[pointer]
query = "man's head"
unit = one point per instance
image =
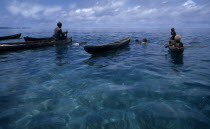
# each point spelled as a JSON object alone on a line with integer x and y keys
{"x": 172, "y": 29}
{"x": 178, "y": 38}
{"x": 144, "y": 40}
{"x": 59, "y": 24}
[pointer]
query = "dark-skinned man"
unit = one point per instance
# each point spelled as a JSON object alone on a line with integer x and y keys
{"x": 58, "y": 34}
{"x": 173, "y": 34}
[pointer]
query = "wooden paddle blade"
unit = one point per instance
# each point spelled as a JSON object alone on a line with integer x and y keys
{"x": 82, "y": 43}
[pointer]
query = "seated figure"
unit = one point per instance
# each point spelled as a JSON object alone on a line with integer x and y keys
{"x": 58, "y": 34}
{"x": 178, "y": 43}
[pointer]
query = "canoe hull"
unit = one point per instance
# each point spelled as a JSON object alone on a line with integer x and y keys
{"x": 176, "y": 51}
{"x": 16, "y": 36}
{"x": 7, "y": 47}
{"x": 98, "y": 49}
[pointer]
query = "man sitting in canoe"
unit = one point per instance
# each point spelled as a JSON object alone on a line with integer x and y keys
{"x": 58, "y": 34}
{"x": 173, "y": 34}
{"x": 177, "y": 43}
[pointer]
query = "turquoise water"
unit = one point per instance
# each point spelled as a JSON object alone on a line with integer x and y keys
{"x": 138, "y": 87}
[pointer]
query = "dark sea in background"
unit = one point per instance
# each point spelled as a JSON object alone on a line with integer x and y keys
{"x": 138, "y": 87}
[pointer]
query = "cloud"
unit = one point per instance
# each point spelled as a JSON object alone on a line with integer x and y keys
{"x": 95, "y": 13}
{"x": 165, "y": 2}
{"x": 115, "y": 13}
{"x": 189, "y": 4}
{"x": 51, "y": 10}
{"x": 100, "y": 10}
{"x": 31, "y": 10}
{"x": 72, "y": 5}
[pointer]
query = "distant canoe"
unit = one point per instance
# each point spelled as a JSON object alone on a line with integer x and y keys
{"x": 36, "y": 39}
{"x": 6, "y": 47}
{"x": 16, "y": 36}
{"x": 97, "y": 49}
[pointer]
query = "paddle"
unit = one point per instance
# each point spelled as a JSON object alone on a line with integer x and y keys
{"x": 166, "y": 46}
{"x": 80, "y": 43}
{"x": 194, "y": 46}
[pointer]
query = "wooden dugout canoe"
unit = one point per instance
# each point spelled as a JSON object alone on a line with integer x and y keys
{"x": 174, "y": 50}
{"x": 16, "y": 36}
{"x": 97, "y": 49}
{"x": 6, "y": 47}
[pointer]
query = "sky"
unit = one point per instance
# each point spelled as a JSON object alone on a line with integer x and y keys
{"x": 105, "y": 13}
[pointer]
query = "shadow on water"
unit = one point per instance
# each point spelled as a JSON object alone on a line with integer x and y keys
{"x": 175, "y": 59}
{"x": 61, "y": 51}
{"x": 101, "y": 60}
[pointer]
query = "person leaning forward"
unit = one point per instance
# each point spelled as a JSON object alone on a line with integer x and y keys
{"x": 178, "y": 43}
{"x": 58, "y": 34}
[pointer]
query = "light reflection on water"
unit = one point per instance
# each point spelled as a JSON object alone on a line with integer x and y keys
{"x": 138, "y": 87}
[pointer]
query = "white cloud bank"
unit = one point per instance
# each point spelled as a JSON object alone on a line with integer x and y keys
{"x": 114, "y": 13}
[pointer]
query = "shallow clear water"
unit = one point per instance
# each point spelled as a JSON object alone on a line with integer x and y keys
{"x": 138, "y": 87}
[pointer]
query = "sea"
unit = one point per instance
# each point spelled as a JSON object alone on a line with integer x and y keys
{"x": 141, "y": 86}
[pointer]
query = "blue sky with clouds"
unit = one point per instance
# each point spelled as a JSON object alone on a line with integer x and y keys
{"x": 105, "y": 13}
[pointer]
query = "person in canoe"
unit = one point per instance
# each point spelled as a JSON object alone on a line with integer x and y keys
{"x": 173, "y": 34}
{"x": 58, "y": 34}
{"x": 177, "y": 43}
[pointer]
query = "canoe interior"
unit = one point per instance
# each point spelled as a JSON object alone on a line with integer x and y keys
{"x": 16, "y": 36}
{"x": 176, "y": 51}
{"x": 37, "y": 39}
{"x": 98, "y": 49}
